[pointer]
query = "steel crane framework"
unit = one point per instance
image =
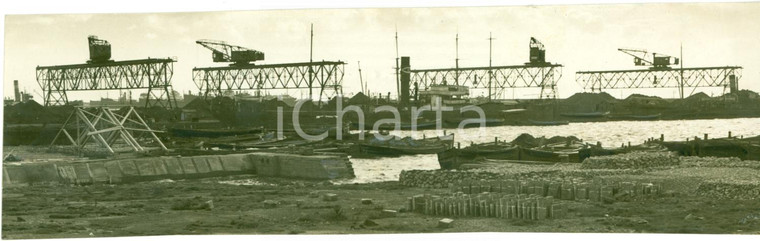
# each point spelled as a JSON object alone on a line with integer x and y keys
{"x": 659, "y": 78}
{"x": 659, "y": 75}
{"x": 152, "y": 74}
{"x": 497, "y": 78}
{"x": 326, "y": 77}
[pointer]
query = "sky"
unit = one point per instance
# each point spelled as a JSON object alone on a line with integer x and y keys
{"x": 580, "y": 37}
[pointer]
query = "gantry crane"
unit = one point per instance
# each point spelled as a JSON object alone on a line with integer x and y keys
{"x": 227, "y": 53}
{"x": 660, "y": 75}
{"x": 536, "y": 73}
{"x": 643, "y": 58}
{"x": 326, "y": 77}
{"x": 100, "y": 73}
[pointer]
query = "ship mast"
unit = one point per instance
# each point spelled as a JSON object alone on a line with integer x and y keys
{"x": 398, "y": 85}
{"x": 490, "y": 55}
{"x": 456, "y": 72}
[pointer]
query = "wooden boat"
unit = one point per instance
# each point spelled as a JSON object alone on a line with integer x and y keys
{"x": 600, "y": 151}
{"x": 211, "y": 133}
{"x": 402, "y": 126}
{"x": 547, "y": 123}
{"x": 636, "y": 117}
{"x": 454, "y": 158}
{"x": 406, "y": 146}
{"x": 554, "y": 152}
{"x": 395, "y": 150}
{"x": 586, "y": 115}
{"x": 539, "y": 154}
{"x": 645, "y": 117}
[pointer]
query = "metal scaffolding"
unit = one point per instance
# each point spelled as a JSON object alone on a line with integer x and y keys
{"x": 679, "y": 78}
{"x": 106, "y": 128}
{"x": 152, "y": 74}
{"x": 496, "y": 78}
{"x": 325, "y": 77}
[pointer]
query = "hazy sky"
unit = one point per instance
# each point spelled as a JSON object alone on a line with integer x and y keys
{"x": 581, "y": 37}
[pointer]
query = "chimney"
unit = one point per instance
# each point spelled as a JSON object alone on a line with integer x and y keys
{"x": 15, "y": 88}
{"x": 405, "y": 79}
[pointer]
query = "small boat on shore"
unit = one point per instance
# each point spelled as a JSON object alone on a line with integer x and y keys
{"x": 453, "y": 158}
{"x": 645, "y": 117}
{"x": 547, "y": 123}
{"x": 406, "y": 146}
{"x": 597, "y": 114}
{"x": 211, "y": 133}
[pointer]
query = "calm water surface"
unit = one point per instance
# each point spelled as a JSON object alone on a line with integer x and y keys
{"x": 610, "y": 134}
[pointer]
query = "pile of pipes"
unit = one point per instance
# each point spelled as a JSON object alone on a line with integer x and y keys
{"x": 632, "y": 160}
{"x": 741, "y": 190}
{"x": 507, "y": 206}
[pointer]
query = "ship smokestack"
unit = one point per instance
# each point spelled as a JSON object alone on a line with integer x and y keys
{"x": 405, "y": 78}
{"x": 15, "y": 89}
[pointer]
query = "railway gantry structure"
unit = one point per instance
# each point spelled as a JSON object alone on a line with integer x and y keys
{"x": 102, "y": 73}
{"x": 660, "y": 75}
{"x": 537, "y": 73}
{"x": 326, "y": 77}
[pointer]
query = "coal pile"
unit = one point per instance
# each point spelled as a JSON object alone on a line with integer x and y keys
{"x": 725, "y": 189}
{"x": 528, "y": 141}
{"x": 732, "y": 162}
{"x": 450, "y": 178}
{"x": 632, "y": 160}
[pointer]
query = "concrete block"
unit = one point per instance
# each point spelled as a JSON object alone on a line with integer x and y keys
{"x": 542, "y": 213}
{"x": 201, "y": 165}
{"x": 557, "y": 211}
{"x": 265, "y": 165}
{"x": 234, "y": 163}
{"x": 6, "y": 177}
{"x": 41, "y": 173}
{"x": 215, "y": 164}
{"x": 67, "y": 173}
{"x": 581, "y": 193}
{"x": 188, "y": 166}
{"x": 98, "y": 171}
{"x": 128, "y": 168}
{"x": 145, "y": 167}
{"x": 554, "y": 190}
{"x": 159, "y": 167}
{"x": 606, "y": 192}
{"x": 114, "y": 171}
{"x": 445, "y": 223}
{"x": 594, "y": 195}
{"x": 16, "y": 174}
{"x": 567, "y": 194}
{"x": 173, "y": 166}
{"x": 83, "y": 173}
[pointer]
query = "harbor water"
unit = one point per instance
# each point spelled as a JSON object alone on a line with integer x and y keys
{"x": 610, "y": 134}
